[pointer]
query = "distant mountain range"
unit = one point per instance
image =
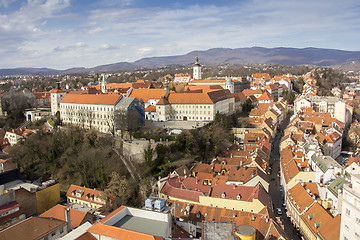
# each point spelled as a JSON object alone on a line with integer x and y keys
{"x": 254, "y": 55}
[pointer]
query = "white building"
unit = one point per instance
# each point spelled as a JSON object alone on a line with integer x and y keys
{"x": 350, "y": 217}
{"x": 325, "y": 167}
{"x": 90, "y": 110}
{"x": 16, "y": 135}
{"x": 323, "y": 104}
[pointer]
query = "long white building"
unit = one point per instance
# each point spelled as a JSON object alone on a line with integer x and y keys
{"x": 90, "y": 110}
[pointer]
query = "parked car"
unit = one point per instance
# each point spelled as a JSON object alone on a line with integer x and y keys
{"x": 278, "y": 211}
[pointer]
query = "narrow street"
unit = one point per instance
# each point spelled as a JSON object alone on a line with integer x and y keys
{"x": 275, "y": 191}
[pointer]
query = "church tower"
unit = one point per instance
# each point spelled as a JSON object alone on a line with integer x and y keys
{"x": 229, "y": 84}
{"x": 197, "y": 70}
{"x": 103, "y": 85}
{"x": 56, "y": 96}
{"x": 166, "y": 85}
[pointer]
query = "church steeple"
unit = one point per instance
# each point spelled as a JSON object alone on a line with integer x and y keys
{"x": 197, "y": 69}
{"x": 103, "y": 85}
{"x": 166, "y": 85}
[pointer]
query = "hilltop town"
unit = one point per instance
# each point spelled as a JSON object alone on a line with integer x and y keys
{"x": 183, "y": 156}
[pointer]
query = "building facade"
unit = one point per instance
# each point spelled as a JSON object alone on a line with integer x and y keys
{"x": 350, "y": 218}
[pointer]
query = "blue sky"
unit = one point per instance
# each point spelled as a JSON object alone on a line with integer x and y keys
{"x": 85, "y": 33}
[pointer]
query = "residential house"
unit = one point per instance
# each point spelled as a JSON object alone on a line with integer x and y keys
{"x": 36, "y": 228}
{"x": 196, "y": 217}
{"x": 313, "y": 221}
{"x": 265, "y": 98}
{"x": 87, "y": 198}
{"x": 11, "y": 212}
{"x": 292, "y": 172}
{"x": 326, "y": 167}
{"x": 59, "y": 212}
{"x": 16, "y": 135}
{"x": 298, "y": 201}
{"x": 197, "y": 191}
{"x": 353, "y": 165}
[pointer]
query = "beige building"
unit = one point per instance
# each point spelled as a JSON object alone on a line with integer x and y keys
{"x": 194, "y": 106}
{"x": 85, "y": 197}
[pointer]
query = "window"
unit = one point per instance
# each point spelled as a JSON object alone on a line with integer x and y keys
{"x": 347, "y": 212}
{"x": 358, "y": 220}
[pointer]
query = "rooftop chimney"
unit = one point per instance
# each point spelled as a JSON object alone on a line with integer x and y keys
{"x": 68, "y": 219}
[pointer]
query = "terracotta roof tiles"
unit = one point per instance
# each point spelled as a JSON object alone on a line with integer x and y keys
{"x": 106, "y": 99}
{"x": 58, "y": 212}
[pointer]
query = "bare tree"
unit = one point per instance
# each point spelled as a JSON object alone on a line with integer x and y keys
{"x": 82, "y": 117}
{"x": 110, "y": 122}
{"x": 89, "y": 117}
{"x": 170, "y": 111}
{"x": 69, "y": 113}
{"x": 127, "y": 120}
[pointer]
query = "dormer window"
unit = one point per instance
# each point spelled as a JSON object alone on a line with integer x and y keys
{"x": 223, "y": 195}
{"x": 238, "y": 197}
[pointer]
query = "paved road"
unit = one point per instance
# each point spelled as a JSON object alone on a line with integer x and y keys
{"x": 275, "y": 193}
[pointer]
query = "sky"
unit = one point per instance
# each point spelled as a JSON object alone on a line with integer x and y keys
{"x": 63, "y": 34}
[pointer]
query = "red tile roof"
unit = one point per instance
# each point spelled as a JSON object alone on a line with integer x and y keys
{"x": 58, "y": 212}
{"x": 106, "y": 99}
{"x": 331, "y": 230}
{"x": 31, "y": 228}
{"x": 87, "y": 194}
{"x": 300, "y": 198}
{"x": 147, "y": 94}
{"x": 260, "y": 75}
{"x": 316, "y": 215}
{"x": 150, "y": 108}
{"x": 9, "y": 206}
{"x": 266, "y": 97}
{"x": 57, "y": 91}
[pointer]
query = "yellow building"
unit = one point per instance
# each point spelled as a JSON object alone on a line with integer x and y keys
{"x": 47, "y": 197}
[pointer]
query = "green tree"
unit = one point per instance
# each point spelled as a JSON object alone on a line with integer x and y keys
{"x": 247, "y": 106}
{"x": 148, "y": 155}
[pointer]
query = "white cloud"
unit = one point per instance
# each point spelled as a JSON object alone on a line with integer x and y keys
{"x": 6, "y": 3}
{"x": 94, "y": 31}
{"x": 145, "y": 51}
